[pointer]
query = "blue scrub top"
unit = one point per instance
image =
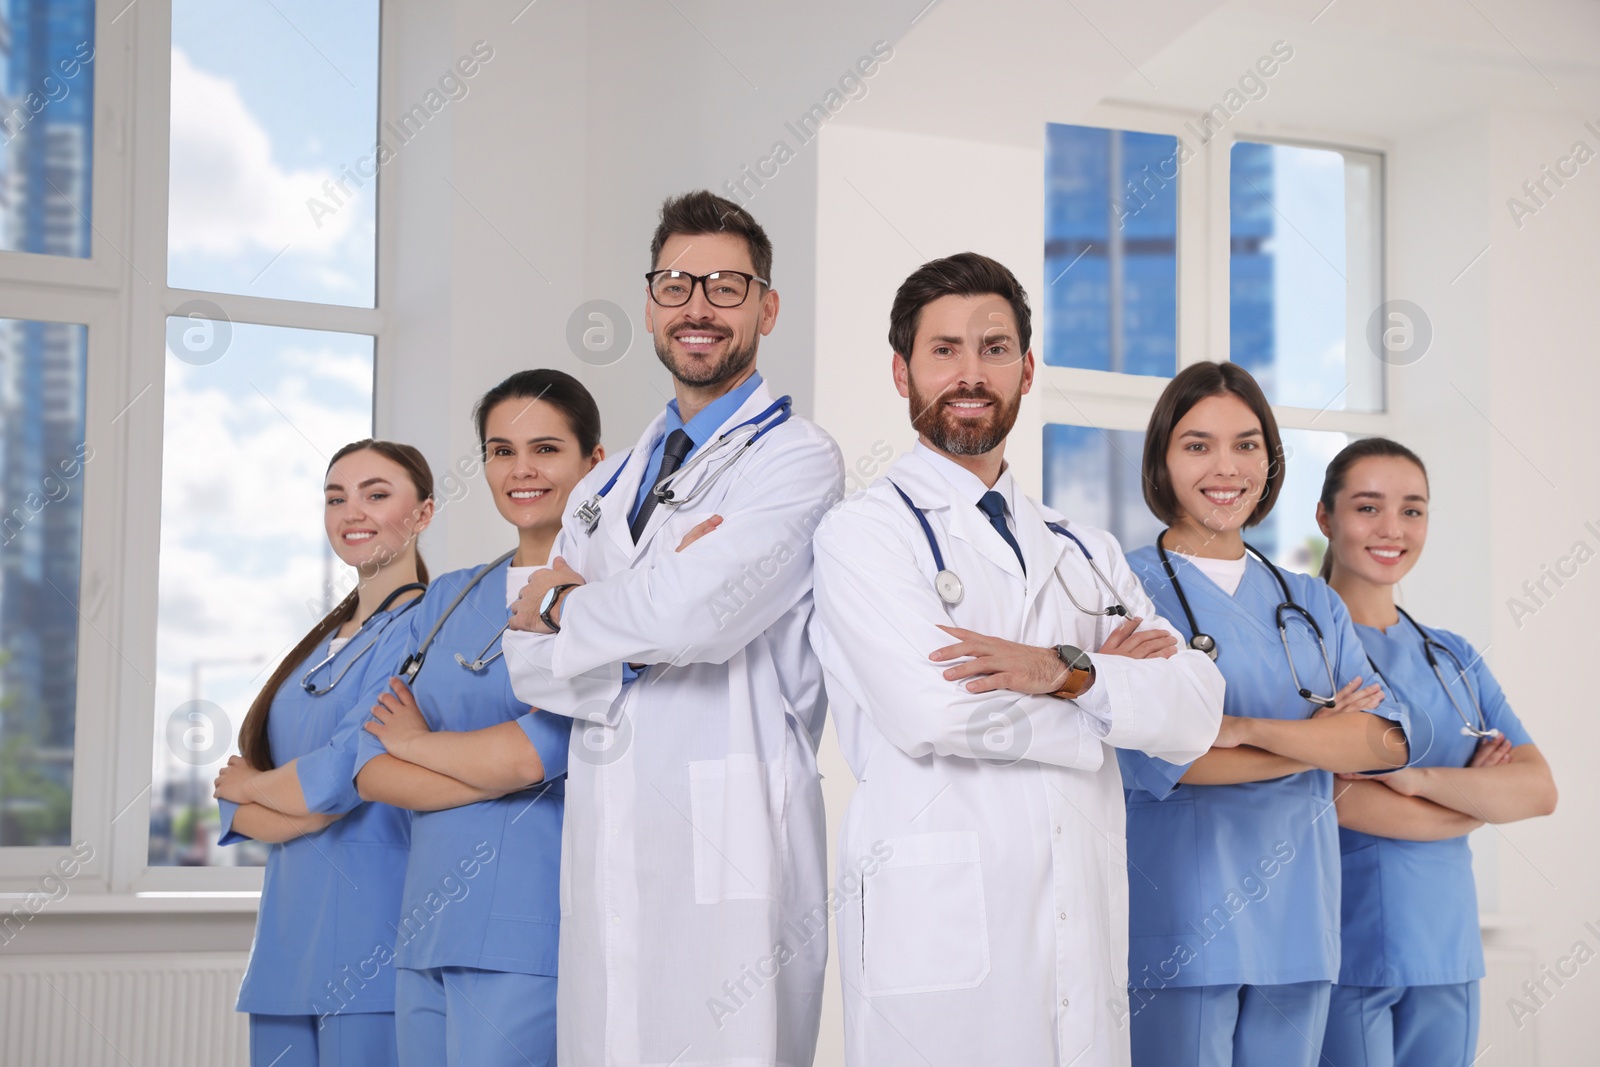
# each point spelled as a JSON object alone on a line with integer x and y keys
{"x": 1411, "y": 907}
{"x": 1239, "y": 884}
{"x": 482, "y": 882}
{"x": 327, "y": 899}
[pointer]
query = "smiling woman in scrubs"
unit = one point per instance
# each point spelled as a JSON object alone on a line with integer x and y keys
{"x": 332, "y": 882}
{"x": 1233, "y": 860}
{"x": 476, "y": 982}
{"x": 1408, "y": 984}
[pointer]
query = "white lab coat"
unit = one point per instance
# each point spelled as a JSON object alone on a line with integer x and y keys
{"x": 989, "y": 921}
{"x": 694, "y": 826}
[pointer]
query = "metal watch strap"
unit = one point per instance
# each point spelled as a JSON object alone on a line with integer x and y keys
{"x": 555, "y": 598}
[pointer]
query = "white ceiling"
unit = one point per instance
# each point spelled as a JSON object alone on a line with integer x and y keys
{"x": 1382, "y": 67}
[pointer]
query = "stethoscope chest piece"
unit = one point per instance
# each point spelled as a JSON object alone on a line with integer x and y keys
{"x": 949, "y": 587}
{"x": 588, "y": 512}
{"x": 1204, "y": 643}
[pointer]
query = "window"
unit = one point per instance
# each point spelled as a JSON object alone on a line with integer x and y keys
{"x": 1111, "y": 268}
{"x": 274, "y": 124}
{"x": 47, "y": 52}
{"x": 42, "y": 456}
{"x": 271, "y": 199}
{"x": 1304, "y": 273}
{"x": 1287, "y": 289}
{"x": 47, "y": 55}
{"x": 245, "y": 568}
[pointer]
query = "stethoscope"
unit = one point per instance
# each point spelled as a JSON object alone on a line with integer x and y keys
{"x": 948, "y": 585}
{"x": 311, "y": 687}
{"x": 1206, "y": 643}
{"x": 1429, "y": 644}
{"x": 413, "y": 663}
{"x": 727, "y": 448}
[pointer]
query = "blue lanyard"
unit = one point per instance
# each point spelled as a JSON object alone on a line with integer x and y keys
{"x": 588, "y": 512}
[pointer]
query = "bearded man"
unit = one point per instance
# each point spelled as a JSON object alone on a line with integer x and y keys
{"x": 955, "y": 622}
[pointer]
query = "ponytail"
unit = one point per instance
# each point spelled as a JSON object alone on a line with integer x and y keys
{"x": 254, "y": 744}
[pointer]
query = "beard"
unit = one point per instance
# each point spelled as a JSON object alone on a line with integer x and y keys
{"x": 958, "y": 436}
{"x": 734, "y": 362}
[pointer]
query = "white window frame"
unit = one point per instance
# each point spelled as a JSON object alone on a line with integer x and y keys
{"x": 1119, "y": 401}
{"x": 120, "y": 294}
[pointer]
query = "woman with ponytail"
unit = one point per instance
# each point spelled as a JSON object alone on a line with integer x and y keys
{"x": 332, "y": 884}
{"x": 1407, "y": 993}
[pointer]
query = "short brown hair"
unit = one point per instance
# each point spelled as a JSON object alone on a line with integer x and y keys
{"x": 963, "y": 274}
{"x": 703, "y": 211}
{"x": 1192, "y": 385}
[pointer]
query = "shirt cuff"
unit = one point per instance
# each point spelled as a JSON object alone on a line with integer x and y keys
{"x": 230, "y": 836}
{"x": 327, "y": 781}
{"x": 550, "y": 736}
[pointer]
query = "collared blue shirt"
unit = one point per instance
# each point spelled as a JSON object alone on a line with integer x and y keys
{"x": 1240, "y": 884}
{"x": 1410, "y": 913}
{"x": 700, "y": 430}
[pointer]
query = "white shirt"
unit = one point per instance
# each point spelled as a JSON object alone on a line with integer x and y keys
{"x": 693, "y": 873}
{"x": 983, "y": 854}
{"x": 1226, "y": 573}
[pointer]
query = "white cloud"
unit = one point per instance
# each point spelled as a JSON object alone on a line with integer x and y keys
{"x": 228, "y": 193}
{"x": 242, "y": 543}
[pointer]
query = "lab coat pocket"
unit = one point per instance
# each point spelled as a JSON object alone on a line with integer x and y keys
{"x": 924, "y": 928}
{"x": 734, "y": 857}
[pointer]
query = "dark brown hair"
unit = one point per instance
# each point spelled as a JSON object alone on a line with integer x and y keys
{"x": 1193, "y": 384}
{"x": 963, "y": 274}
{"x": 555, "y": 387}
{"x": 705, "y": 212}
{"x": 254, "y": 743}
{"x": 1338, "y": 471}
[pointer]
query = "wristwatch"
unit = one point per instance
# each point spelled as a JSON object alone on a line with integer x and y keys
{"x": 548, "y": 604}
{"x": 1080, "y": 672}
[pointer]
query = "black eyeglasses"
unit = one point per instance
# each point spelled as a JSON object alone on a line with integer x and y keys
{"x": 723, "y": 288}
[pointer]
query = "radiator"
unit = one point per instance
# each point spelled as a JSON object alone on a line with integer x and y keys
{"x": 1500, "y": 1042}
{"x": 134, "y": 1010}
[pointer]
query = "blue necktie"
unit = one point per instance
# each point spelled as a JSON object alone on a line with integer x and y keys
{"x": 994, "y": 506}
{"x": 678, "y": 445}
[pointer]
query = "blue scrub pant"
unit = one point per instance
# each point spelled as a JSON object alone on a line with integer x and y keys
{"x": 356, "y": 1040}
{"x": 1230, "y": 1025}
{"x": 466, "y": 1017}
{"x": 1402, "y": 1026}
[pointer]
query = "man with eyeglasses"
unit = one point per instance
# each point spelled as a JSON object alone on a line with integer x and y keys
{"x": 694, "y": 897}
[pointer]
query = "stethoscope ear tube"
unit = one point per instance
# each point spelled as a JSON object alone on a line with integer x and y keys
{"x": 413, "y": 663}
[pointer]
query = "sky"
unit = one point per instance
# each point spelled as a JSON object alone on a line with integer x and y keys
{"x": 253, "y": 412}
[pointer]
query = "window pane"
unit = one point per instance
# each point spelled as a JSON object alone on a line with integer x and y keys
{"x": 42, "y": 455}
{"x": 1111, "y": 266}
{"x": 1093, "y": 476}
{"x": 47, "y": 52}
{"x": 253, "y": 414}
{"x": 274, "y": 120}
{"x": 1305, "y": 274}
{"x": 1290, "y": 537}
